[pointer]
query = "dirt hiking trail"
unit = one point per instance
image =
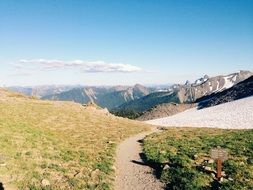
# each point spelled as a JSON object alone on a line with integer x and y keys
{"x": 131, "y": 171}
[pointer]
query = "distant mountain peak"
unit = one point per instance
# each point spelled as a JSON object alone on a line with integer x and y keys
{"x": 138, "y": 86}
{"x": 187, "y": 83}
{"x": 201, "y": 80}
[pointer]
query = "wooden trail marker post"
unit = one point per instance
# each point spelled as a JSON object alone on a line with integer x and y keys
{"x": 219, "y": 155}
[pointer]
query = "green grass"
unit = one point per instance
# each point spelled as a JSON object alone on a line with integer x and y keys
{"x": 184, "y": 150}
{"x": 70, "y": 146}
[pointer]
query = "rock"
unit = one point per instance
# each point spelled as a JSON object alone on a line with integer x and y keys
{"x": 230, "y": 179}
{"x": 187, "y": 83}
{"x": 206, "y": 77}
{"x": 2, "y": 165}
{"x": 162, "y": 128}
{"x": 205, "y": 160}
{"x": 207, "y": 168}
{"x": 195, "y": 157}
{"x": 95, "y": 173}
{"x": 166, "y": 167}
{"x": 114, "y": 168}
{"x": 45, "y": 183}
{"x": 213, "y": 175}
{"x": 210, "y": 161}
{"x": 78, "y": 173}
{"x": 223, "y": 174}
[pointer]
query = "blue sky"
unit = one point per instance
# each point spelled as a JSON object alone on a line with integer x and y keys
{"x": 113, "y": 42}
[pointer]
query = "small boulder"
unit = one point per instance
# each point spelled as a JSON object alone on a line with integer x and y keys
{"x": 3, "y": 165}
{"x": 208, "y": 169}
{"x": 114, "y": 168}
{"x": 210, "y": 161}
{"x": 110, "y": 142}
{"x": 166, "y": 167}
{"x": 45, "y": 183}
{"x": 95, "y": 173}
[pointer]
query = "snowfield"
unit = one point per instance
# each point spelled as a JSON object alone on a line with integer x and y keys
{"x": 232, "y": 115}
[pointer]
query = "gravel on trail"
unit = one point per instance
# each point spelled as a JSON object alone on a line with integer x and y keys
{"x": 131, "y": 172}
{"x": 237, "y": 114}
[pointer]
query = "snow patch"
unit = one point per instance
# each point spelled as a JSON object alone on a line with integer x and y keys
{"x": 228, "y": 82}
{"x": 200, "y": 81}
{"x": 232, "y": 115}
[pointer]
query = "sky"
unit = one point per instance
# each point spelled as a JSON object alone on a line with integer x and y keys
{"x": 112, "y": 42}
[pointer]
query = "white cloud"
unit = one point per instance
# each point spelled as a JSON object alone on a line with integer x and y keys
{"x": 21, "y": 74}
{"x": 85, "y": 66}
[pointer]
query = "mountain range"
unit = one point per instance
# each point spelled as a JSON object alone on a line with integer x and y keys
{"x": 42, "y": 90}
{"x": 241, "y": 90}
{"x": 133, "y": 101}
{"x": 186, "y": 93}
{"x": 106, "y": 97}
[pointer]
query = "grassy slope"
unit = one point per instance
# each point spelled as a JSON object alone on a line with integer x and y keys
{"x": 184, "y": 149}
{"x": 62, "y": 142}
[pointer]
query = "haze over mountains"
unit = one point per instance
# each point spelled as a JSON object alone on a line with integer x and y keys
{"x": 42, "y": 90}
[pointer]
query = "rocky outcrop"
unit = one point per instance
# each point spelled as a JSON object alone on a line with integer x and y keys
{"x": 238, "y": 91}
{"x": 205, "y": 85}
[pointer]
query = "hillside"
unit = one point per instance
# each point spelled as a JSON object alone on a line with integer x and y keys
{"x": 232, "y": 115}
{"x": 164, "y": 110}
{"x": 149, "y": 101}
{"x": 184, "y": 158}
{"x": 187, "y": 93}
{"x": 58, "y": 145}
{"x": 109, "y": 97}
{"x": 238, "y": 91}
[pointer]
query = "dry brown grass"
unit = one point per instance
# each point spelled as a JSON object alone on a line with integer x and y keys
{"x": 71, "y": 147}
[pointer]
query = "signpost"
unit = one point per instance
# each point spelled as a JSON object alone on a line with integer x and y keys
{"x": 219, "y": 155}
